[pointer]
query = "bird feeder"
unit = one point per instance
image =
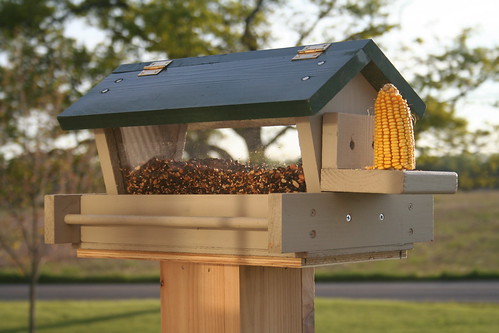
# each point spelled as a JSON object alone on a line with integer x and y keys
{"x": 238, "y": 241}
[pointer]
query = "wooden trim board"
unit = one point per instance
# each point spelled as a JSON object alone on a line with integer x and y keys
{"x": 310, "y": 138}
{"x": 325, "y": 221}
{"x": 309, "y": 260}
{"x": 389, "y": 181}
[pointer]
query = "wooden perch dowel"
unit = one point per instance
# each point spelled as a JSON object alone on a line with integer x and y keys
{"x": 183, "y": 222}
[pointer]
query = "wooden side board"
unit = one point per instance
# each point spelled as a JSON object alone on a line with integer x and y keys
{"x": 388, "y": 181}
{"x": 347, "y": 141}
{"x": 328, "y": 221}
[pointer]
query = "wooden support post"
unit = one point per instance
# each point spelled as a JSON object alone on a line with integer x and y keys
{"x": 310, "y": 137}
{"x": 205, "y": 298}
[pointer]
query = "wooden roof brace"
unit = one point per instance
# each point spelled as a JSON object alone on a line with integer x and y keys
{"x": 155, "y": 68}
{"x": 311, "y": 51}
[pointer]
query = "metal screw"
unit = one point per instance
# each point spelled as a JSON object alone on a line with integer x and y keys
{"x": 313, "y": 212}
{"x": 305, "y": 78}
{"x": 103, "y": 91}
{"x": 312, "y": 234}
{"x": 118, "y": 80}
{"x": 348, "y": 218}
{"x": 411, "y": 206}
{"x": 411, "y": 231}
{"x": 381, "y": 217}
{"x": 320, "y": 63}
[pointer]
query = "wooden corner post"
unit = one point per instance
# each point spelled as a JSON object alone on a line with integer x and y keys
{"x": 207, "y": 298}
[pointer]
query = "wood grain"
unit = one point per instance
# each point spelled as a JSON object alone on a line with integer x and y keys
{"x": 310, "y": 138}
{"x": 199, "y": 258}
{"x": 347, "y": 141}
{"x": 271, "y": 300}
{"x": 107, "y": 149}
{"x": 199, "y": 298}
{"x": 356, "y": 97}
{"x": 306, "y": 260}
{"x": 56, "y": 208}
{"x": 328, "y": 221}
{"x": 253, "y": 205}
{"x": 389, "y": 181}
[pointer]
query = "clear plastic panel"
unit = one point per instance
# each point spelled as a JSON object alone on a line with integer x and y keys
{"x": 169, "y": 159}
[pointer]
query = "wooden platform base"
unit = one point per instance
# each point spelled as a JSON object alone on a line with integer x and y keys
{"x": 212, "y": 259}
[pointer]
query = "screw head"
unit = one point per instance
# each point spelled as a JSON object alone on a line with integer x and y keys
{"x": 313, "y": 212}
{"x": 312, "y": 234}
{"x": 381, "y": 217}
{"x": 411, "y": 231}
{"x": 411, "y": 206}
{"x": 320, "y": 63}
{"x": 118, "y": 80}
{"x": 305, "y": 78}
{"x": 103, "y": 91}
{"x": 348, "y": 218}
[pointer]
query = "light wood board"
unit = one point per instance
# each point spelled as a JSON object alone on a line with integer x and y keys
{"x": 310, "y": 138}
{"x": 56, "y": 208}
{"x": 307, "y": 260}
{"x": 389, "y": 181}
{"x": 199, "y": 298}
{"x": 276, "y": 300}
{"x": 322, "y": 221}
{"x": 347, "y": 141}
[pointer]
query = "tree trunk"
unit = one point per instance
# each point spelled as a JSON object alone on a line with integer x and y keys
{"x": 32, "y": 302}
{"x": 253, "y": 139}
{"x": 35, "y": 264}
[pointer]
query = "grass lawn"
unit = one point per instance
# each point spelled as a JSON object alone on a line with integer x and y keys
{"x": 332, "y": 315}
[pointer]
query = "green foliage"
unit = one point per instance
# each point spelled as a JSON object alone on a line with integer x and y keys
{"x": 447, "y": 78}
{"x": 178, "y": 28}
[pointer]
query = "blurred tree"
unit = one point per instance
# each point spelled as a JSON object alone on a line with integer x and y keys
{"x": 446, "y": 79}
{"x": 41, "y": 73}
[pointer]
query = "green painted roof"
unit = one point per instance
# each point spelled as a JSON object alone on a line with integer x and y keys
{"x": 237, "y": 86}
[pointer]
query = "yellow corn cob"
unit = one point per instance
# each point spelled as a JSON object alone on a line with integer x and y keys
{"x": 393, "y": 131}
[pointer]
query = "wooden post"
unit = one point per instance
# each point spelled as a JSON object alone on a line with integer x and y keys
{"x": 206, "y": 298}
